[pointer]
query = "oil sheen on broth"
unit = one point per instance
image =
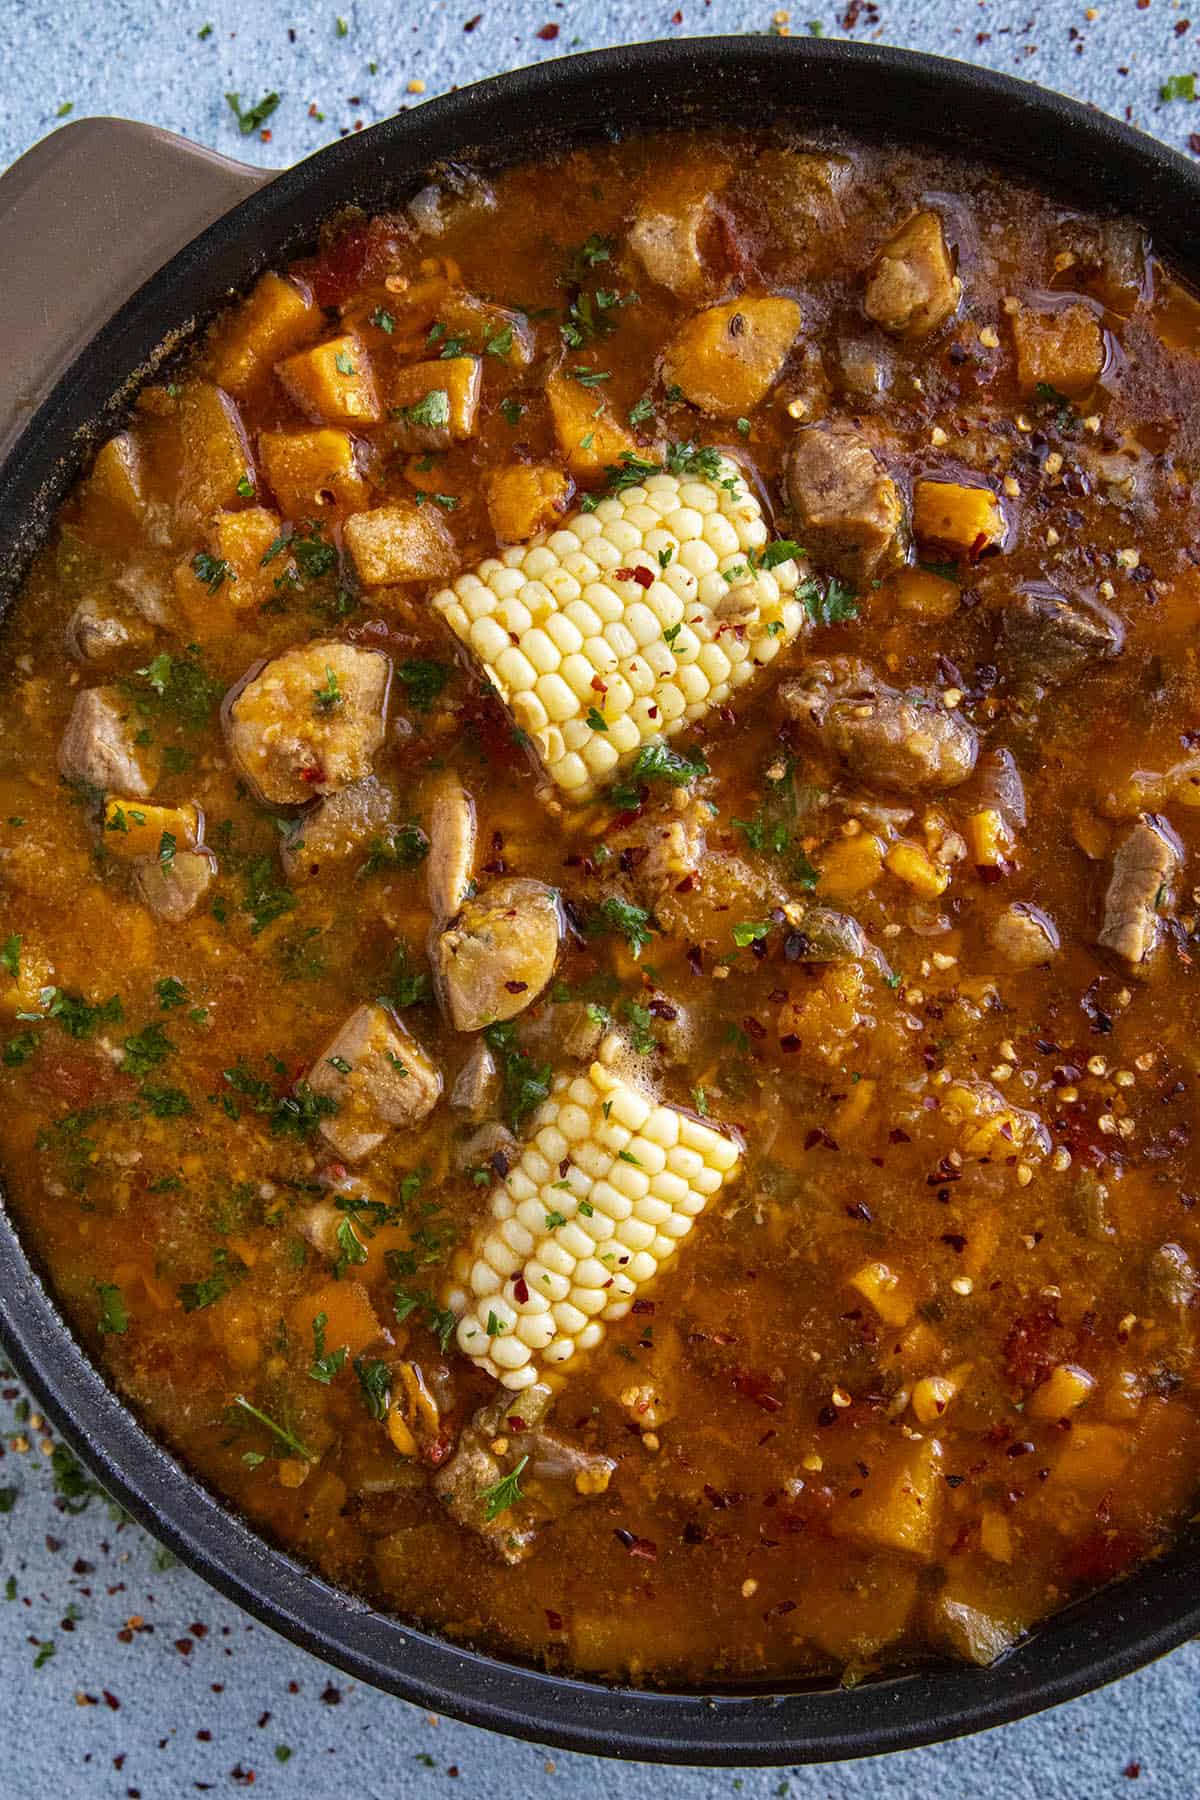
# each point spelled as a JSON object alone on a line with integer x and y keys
{"x": 596, "y": 809}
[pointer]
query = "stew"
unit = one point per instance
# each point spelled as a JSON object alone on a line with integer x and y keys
{"x": 596, "y": 909}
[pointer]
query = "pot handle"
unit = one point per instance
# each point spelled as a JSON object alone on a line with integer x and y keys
{"x": 86, "y": 216}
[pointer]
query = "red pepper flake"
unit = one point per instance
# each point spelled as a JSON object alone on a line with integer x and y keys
{"x": 643, "y": 1308}
{"x": 548, "y": 33}
{"x": 472, "y": 23}
{"x": 1131, "y": 1771}
{"x": 332, "y": 1696}
{"x": 520, "y": 1290}
{"x": 1194, "y": 142}
{"x": 789, "y": 1043}
{"x": 314, "y": 774}
{"x": 554, "y": 1620}
{"x": 515, "y": 1422}
{"x": 184, "y": 1646}
{"x": 516, "y": 987}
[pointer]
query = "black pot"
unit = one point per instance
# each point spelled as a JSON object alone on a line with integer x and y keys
{"x": 100, "y": 169}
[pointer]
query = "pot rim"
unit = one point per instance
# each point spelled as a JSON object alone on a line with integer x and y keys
{"x": 1100, "y": 1638}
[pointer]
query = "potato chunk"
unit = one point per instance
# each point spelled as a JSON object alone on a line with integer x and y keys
{"x": 911, "y": 286}
{"x": 727, "y": 357}
{"x": 523, "y": 498}
{"x": 133, "y": 831}
{"x": 899, "y": 1505}
{"x": 278, "y": 317}
{"x": 495, "y": 958}
{"x": 588, "y": 441}
{"x": 378, "y": 1076}
{"x": 310, "y": 721}
{"x": 311, "y": 472}
{"x": 433, "y": 404}
{"x": 1063, "y": 350}
{"x": 333, "y": 382}
{"x": 967, "y": 520}
{"x": 98, "y": 745}
{"x": 212, "y": 590}
{"x": 398, "y": 543}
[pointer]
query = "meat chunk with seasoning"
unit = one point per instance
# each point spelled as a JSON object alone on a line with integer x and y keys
{"x": 1048, "y": 638}
{"x": 845, "y": 502}
{"x": 472, "y": 1484}
{"x": 309, "y": 721}
{"x": 1025, "y": 936}
{"x": 338, "y": 827}
{"x": 911, "y": 286}
{"x": 99, "y": 745}
{"x": 172, "y": 890}
{"x": 378, "y": 1076}
{"x": 496, "y": 956}
{"x": 905, "y": 740}
{"x": 1144, "y": 866}
{"x": 92, "y": 635}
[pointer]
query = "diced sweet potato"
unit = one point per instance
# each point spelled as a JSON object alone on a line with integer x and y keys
{"x": 913, "y": 865}
{"x": 311, "y": 472}
{"x": 233, "y": 579}
{"x": 826, "y": 1011}
{"x": 398, "y": 543}
{"x": 522, "y": 498}
{"x": 911, "y": 285}
{"x": 214, "y": 452}
{"x": 966, "y": 520}
{"x": 885, "y": 1291}
{"x": 900, "y": 1502}
{"x": 1063, "y": 350}
{"x": 849, "y": 867}
{"x": 852, "y": 1616}
{"x": 132, "y": 830}
{"x": 589, "y": 440}
{"x": 433, "y": 404}
{"x": 350, "y": 1319}
{"x": 333, "y": 382}
{"x": 116, "y": 483}
{"x": 1065, "y": 1390}
{"x": 278, "y": 317}
{"x": 727, "y": 357}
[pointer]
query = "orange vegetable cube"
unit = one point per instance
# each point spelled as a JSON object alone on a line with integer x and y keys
{"x": 349, "y": 1316}
{"x": 589, "y": 440}
{"x": 850, "y": 866}
{"x": 966, "y": 520}
{"x": 1063, "y": 350}
{"x": 917, "y": 869}
{"x": 400, "y": 543}
{"x": 928, "y": 595}
{"x": 238, "y": 543}
{"x": 727, "y": 357}
{"x": 333, "y": 382}
{"x": 214, "y": 452}
{"x": 433, "y": 404}
{"x": 116, "y": 483}
{"x": 523, "y": 498}
{"x": 279, "y": 316}
{"x": 311, "y": 472}
{"x": 900, "y": 1502}
{"x": 885, "y": 1291}
{"x": 135, "y": 828}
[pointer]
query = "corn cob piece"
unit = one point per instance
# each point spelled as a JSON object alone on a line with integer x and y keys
{"x": 629, "y": 622}
{"x": 562, "y": 1254}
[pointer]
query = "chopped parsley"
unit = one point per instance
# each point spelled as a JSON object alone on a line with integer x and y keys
{"x": 511, "y": 410}
{"x": 503, "y": 1494}
{"x": 285, "y": 1437}
{"x": 431, "y": 412}
{"x": 1178, "y": 87}
{"x": 212, "y": 571}
{"x": 171, "y": 992}
{"x": 404, "y": 848}
{"x": 423, "y": 681}
{"x": 375, "y": 1381}
{"x": 526, "y": 1083}
{"x": 114, "y": 1317}
{"x": 749, "y": 931}
{"x": 325, "y": 1364}
{"x": 10, "y": 954}
{"x": 439, "y": 1320}
{"x": 383, "y": 320}
{"x": 330, "y": 693}
{"x": 623, "y": 917}
{"x": 265, "y": 899}
{"x": 406, "y": 986}
{"x": 179, "y": 685}
{"x": 657, "y": 762}
{"x": 249, "y": 121}
{"x": 833, "y": 604}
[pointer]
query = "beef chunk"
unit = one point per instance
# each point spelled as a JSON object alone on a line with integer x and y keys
{"x": 1048, "y": 638}
{"x": 1143, "y": 867}
{"x": 378, "y": 1076}
{"x": 912, "y": 287}
{"x": 908, "y": 740}
{"x": 309, "y": 722}
{"x": 847, "y": 505}
{"x": 98, "y": 745}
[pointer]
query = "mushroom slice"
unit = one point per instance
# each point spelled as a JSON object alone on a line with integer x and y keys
{"x": 451, "y": 859}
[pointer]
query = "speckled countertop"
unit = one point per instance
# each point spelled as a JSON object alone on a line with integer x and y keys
{"x": 122, "y": 1674}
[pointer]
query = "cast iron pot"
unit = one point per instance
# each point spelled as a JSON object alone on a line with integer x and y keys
{"x": 95, "y": 210}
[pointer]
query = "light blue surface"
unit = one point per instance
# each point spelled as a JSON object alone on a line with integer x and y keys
{"x": 215, "y": 1711}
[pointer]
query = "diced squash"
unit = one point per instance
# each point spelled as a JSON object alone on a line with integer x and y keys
{"x": 333, "y": 382}
{"x": 900, "y": 1501}
{"x": 1063, "y": 350}
{"x": 115, "y": 484}
{"x": 849, "y": 866}
{"x": 825, "y": 1012}
{"x": 989, "y": 839}
{"x": 1065, "y": 1389}
{"x": 278, "y": 317}
{"x": 214, "y": 453}
{"x": 914, "y": 866}
{"x": 852, "y": 1615}
{"x": 967, "y": 520}
{"x": 233, "y": 579}
{"x": 135, "y": 828}
{"x": 727, "y": 357}
{"x": 1093, "y": 1457}
{"x": 311, "y": 472}
{"x": 433, "y": 404}
{"x": 855, "y": 1108}
{"x": 885, "y": 1291}
{"x": 995, "y": 1535}
{"x": 523, "y": 498}
{"x": 494, "y": 330}
{"x": 590, "y": 440}
{"x": 398, "y": 543}
{"x": 349, "y": 1316}
{"x": 928, "y": 595}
